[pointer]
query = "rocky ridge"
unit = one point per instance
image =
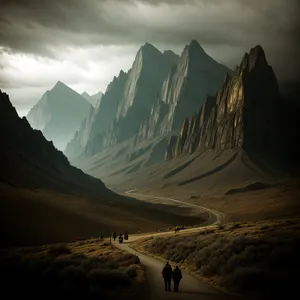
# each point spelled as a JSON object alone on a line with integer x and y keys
{"x": 245, "y": 114}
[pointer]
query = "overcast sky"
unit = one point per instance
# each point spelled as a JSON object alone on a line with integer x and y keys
{"x": 85, "y": 43}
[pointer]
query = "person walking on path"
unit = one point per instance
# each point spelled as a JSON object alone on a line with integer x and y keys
{"x": 177, "y": 276}
{"x": 167, "y": 275}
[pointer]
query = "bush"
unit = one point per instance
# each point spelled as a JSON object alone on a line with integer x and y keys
{"x": 245, "y": 279}
{"x": 74, "y": 275}
{"x": 131, "y": 271}
{"x": 262, "y": 260}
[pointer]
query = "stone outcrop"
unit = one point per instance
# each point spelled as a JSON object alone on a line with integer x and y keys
{"x": 58, "y": 114}
{"x": 244, "y": 114}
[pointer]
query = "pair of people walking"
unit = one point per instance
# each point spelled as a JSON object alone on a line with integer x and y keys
{"x": 168, "y": 274}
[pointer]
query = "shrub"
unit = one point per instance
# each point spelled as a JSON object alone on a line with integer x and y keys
{"x": 245, "y": 279}
{"x": 131, "y": 271}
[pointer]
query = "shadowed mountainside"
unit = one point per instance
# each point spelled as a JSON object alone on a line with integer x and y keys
{"x": 44, "y": 199}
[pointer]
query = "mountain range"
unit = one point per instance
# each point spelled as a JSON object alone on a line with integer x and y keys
{"x": 203, "y": 120}
{"x": 186, "y": 111}
{"x": 151, "y": 99}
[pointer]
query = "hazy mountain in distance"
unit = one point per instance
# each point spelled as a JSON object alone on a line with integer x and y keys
{"x": 29, "y": 160}
{"x": 93, "y": 99}
{"x": 58, "y": 114}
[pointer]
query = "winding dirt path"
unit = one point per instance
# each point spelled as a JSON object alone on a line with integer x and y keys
{"x": 190, "y": 288}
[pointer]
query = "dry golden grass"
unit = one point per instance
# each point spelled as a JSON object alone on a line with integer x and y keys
{"x": 88, "y": 269}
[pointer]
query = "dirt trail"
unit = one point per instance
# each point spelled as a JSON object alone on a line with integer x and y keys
{"x": 190, "y": 287}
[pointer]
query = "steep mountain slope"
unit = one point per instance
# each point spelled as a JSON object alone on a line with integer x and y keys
{"x": 144, "y": 82}
{"x": 43, "y": 199}
{"x": 99, "y": 120}
{"x": 93, "y": 99}
{"x": 29, "y": 160}
{"x": 243, "y": 135}
{"x": 245, "y": 114}
{"x": 126, "y": 102}
{"x": 58, "y": 114}
{"x": 159, "y": 91}
{"x": 195, "y": 76}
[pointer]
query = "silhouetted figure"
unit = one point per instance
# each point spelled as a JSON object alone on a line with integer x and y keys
{"x": 114, "y": 236}
{"x": 126, "y": 235}
{"x": 101, "y": 236}
{"x": 121, "y": 238}
{"x": 167, "y": 275}
{"x": 176, "y": 278}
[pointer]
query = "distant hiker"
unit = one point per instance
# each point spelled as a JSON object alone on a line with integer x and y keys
{"x": 167, "y": 275}
{"x": 114, "y": 236}
{"x": 121, "y": 238}
{"x": 101, "y": 236}
{"x": 177, "y": 276}
{"x": 126, "y": 235}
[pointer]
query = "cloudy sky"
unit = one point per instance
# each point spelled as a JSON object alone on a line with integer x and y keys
{"x": 85, "y": 43}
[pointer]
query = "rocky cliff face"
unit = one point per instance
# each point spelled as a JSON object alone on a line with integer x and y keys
{"x": 98, "y": 121}
{"x": 134, "y": 99}
{"x": 77, "y": 145}
{"x": 29, "y": 160}
{"x": 183, "y": 91}
{"x": 244, "y": 114}
{"x": 58, "y": 114}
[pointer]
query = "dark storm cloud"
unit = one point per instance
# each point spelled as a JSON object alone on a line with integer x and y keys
{"x": 39, "y": 25}
{"x": 45, "y": 27}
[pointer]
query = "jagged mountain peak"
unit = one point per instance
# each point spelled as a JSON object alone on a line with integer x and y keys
{"x": 194, "y": 46}
{"x": 122, "y": 73}
{"x": 148, "y": 50}
{"x": 60, "y": 84}
{"x": 255, "y": 57}
{"x": 171, "y": 56}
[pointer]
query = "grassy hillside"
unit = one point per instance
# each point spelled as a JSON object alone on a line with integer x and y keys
{"x": 256, "y": 259}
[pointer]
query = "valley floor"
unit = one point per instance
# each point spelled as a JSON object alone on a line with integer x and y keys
{"x": 251, "y": 203}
